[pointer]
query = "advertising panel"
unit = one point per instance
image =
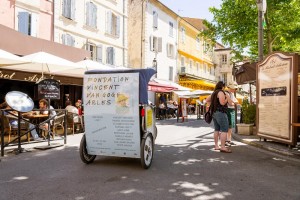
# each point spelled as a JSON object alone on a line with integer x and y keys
{"x": 111, "y": 103}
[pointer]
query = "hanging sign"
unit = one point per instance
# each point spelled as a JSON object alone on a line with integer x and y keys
{"x": 49, "y": 89}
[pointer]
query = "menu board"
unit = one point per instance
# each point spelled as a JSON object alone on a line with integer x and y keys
{"x": 49, "y": 89}
{"x": 111, "y": 116}
{"x": 274, "y": 76}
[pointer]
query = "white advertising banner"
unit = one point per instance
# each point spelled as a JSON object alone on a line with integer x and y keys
{"x": 111, "y": 114}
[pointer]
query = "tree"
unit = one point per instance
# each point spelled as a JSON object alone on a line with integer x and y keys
{"x": 235, "y": 23}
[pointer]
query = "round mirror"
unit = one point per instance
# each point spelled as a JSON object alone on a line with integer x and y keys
{"x": 19, "y": 101}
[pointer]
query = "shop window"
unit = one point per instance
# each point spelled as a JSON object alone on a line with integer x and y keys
{"x": 91, "y": 14}
{"x": 68, "y": 40}
{"x": 110, "y": 55}
{"x": 27, "y": 23}
{"x": 155, "y": 19}
{"x": 112, "y": 24}
{"x": 68, "y": 9}
{"x": 156, "y": 44}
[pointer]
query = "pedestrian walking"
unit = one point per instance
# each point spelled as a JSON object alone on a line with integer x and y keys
{"x": 218, "y": 105}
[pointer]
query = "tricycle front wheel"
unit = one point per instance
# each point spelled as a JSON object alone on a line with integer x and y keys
{"x": 147, "y": 151}
{"x": 85, "y": 157}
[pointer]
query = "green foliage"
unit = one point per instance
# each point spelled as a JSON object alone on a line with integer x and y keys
{"x": 248, "y": 112}
{"x": 236, "y": 24}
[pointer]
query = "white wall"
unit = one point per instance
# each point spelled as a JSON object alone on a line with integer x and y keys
{"x": 163, "y": 61}
{"x": 82, "y": 33}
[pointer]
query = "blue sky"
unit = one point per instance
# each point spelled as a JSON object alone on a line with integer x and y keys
{"x": 192, "y": 8}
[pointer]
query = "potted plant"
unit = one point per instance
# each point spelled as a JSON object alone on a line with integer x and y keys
{"x": 248, "y": 115}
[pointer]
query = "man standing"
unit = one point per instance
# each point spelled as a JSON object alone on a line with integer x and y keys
{"x": 231, "y": 111}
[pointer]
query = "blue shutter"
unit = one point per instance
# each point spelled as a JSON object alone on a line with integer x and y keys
{"x": 72, "y": 10}
{"x": 64, "y": 8}
{"x": 108, "y": 22}
{"x": 88, "y": 13}
{"x": 155, "y": 19}
{"x": 113, "y": 56}
{"x": 94, "y": 14}
{"x": 67, "y": 7}
{"x": 63, "y": 38}
{"x": 107, "y": 55}
{"x": 118, "y": 27}
{"x": 23, "y": 23}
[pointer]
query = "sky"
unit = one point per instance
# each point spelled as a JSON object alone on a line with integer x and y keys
{"x": 192, "y": 8}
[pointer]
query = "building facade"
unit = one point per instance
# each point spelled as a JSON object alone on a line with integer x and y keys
{"x": 99, "y": 26}
{"x": 196, "y": 69}
{"x": 223, "y": 63}
{"x": 152, "y": 34}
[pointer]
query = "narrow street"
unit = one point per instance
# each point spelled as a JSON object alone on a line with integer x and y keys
{"x": 185, "y": 166}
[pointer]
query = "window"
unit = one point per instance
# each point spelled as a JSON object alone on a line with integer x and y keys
{"x": 170, "y": 50}
{"x": 171, "y": 73}
{"x": 191, "y": 65}
{"x": 27, "y": 23}
{"x": 155, "y": 19}
{"x": 224, "y": 59}
{"x": 91, "y": 14}
{"x": 110, "y": 55}
{"x": 182, "y": 34}
{"x": 224, "y": 78}
{"x": 156, "y": 44}
{"x": 206, "y": 47}
{"x": 112, "y": 24}
{"x": 197, "y": 67}
{"x": 197, "y": 43}
{"x": 99, "y": 54}
{"x": 92, "y": 48}
{"x": 68, "y": 40}
{"x": 182, "y": 61}
{"x": 69, "y": 9}
{"x": 205, "y": 68}
{"x": 171, "y": 29}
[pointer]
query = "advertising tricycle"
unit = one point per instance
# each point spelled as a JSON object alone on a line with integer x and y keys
{"x": 118, "y": 119}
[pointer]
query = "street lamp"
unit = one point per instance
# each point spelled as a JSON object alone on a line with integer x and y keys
{"x": 261, "y": 5}
{"x": 154, "y": 64}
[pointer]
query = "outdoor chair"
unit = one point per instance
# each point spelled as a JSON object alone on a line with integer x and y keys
{"x": 9, "y": 129}
{"x": 71, "y": 123}
{"x": 58, "y": 122}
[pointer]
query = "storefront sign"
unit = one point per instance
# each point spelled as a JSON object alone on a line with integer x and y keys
{"x": 276, "y": 91}
{"x": 111, "y": 103}
{"x": 49, "y": 89}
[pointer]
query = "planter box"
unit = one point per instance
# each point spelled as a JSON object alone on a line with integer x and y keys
{"x": 245, "y": 129}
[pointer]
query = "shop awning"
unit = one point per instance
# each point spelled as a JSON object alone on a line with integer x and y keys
{"x": 171, "y": 84}
{"x": 157, "y": 87}
{"x": 192, "y": 94}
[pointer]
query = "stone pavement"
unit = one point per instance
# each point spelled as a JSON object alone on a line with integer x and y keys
{"x": 253, "y": 140}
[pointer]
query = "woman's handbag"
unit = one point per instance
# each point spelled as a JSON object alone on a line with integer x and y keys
{"x": 208, "y": 116}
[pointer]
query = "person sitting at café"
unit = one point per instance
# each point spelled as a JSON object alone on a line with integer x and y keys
{"x": 43, "y": 105}
{"x": 162, "y": 110}
{"x": 72, "y": 109}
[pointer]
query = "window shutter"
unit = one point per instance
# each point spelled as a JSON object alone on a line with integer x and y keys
{"x": 159, "y": 45}
{"x": 118, "y": 27}
{"x": 99, "y": 53}
{"x": 94, "y": 14}
{"x": 72, "y": 10}
{"x": 155, "y": 19}
{"x": 23, "y": 23}
{"x": 108, "y": 22}
{"x": 68, "y": 9}
{"x": 33, "y": 25}
{"x": 63, "y": 39}
{"x": 88, "y": 13}
{"x": 107, "y": 55}
{"x": 171, "y": 73}
{"x": 113, "y": 56}
{"x": 64, "y": 8}
{"x": 151, "y": 43}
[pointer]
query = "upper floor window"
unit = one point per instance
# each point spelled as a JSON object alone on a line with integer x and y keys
{"x": 27, "y": 23}
{"x": 96, "y": 52}
{"x": 156, "y": 44}
{"x": 182, "y": 61}
{"x": 191, "y": 64}
{"x": 197, "y": 67}
{"x": 224, "y": 59}
{"x": 155, "y": 19}
{"x": 67, "y": 39}
{"x": 170, "y": 73}
{"x": 170, "y": 50}
{"x": 91, "y": 14}
{"x": 112, "y": 24}
{"x": 110, "y": 55}
{"x": 171, "y": 29}
{"x": 197, "y": 43}
{"x": 182, "y": 34}
{"x": 69, "y": 9}
{"x": 205, "y": 68}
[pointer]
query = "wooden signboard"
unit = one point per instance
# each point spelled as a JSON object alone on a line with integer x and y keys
{"x": 277, "y": 97}
{"x": 49, "y": 89}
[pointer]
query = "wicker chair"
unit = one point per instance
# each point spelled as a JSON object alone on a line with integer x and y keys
{"x": 71, "y": 123}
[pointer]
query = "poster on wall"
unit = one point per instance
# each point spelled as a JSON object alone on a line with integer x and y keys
{"x": 275, "y": 96}
{"x": 111, "y": 105}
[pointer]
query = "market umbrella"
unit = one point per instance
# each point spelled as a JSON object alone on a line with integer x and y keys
{"x": 7, "y": 59}
{"x": 246, "y": 73}
{"x": 42, "y": 62}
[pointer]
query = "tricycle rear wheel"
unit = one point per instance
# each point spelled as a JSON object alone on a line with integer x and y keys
{"x": 85, "y": 157}
{"x": 147, "y": 151}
